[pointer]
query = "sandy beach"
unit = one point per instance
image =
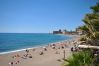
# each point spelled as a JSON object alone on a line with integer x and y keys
{"x": 50, "y": 55}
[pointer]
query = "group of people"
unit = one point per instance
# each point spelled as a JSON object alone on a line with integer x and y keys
{"x": 60, "y": 45}
{"x": 16, "y": 60}
{"x": 17, "y": 57}
{"x": 54, "y": 46}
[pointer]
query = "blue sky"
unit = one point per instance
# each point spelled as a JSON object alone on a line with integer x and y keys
{"x": 42, "y": 16}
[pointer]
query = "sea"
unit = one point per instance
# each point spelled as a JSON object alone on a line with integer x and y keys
{"x": 10, "y": 42}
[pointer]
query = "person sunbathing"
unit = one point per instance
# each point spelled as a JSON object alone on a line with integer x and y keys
{"x": 11, "y": 63}
{"x": 45, "y": 49}
{"x": 41, "y": 53}
{"x": 27, "y": 51}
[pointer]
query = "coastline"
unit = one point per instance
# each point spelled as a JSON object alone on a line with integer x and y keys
{"x": 23, "y": 49}
{"x": 51, "y": 57}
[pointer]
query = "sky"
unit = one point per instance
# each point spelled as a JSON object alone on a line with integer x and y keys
{"x": 42, "y": 16}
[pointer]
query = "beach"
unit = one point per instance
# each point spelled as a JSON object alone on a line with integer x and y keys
{"x": 50, "y": 55}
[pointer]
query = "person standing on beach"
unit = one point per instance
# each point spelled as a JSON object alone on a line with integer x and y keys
{"x": 27, "y": 51}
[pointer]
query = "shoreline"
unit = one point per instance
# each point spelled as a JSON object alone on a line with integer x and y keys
{"x": 52, "y": 55}
{"x": 29, "y": 48}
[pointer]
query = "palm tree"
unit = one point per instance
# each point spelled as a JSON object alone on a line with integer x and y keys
{"x": 91, "y": 26}
{"x": 91, "y": 29}
{"x": 95, "y": 8}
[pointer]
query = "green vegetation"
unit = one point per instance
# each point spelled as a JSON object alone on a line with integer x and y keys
{"x": 80, "y": 59}
{"x": 83, "y": 39}
{"x": 91, "y": 29}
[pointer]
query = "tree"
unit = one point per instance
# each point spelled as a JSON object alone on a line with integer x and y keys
{"x": 91, "y": 26}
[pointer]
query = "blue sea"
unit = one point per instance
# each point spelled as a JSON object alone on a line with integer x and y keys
{"x": 16, "y": 41}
